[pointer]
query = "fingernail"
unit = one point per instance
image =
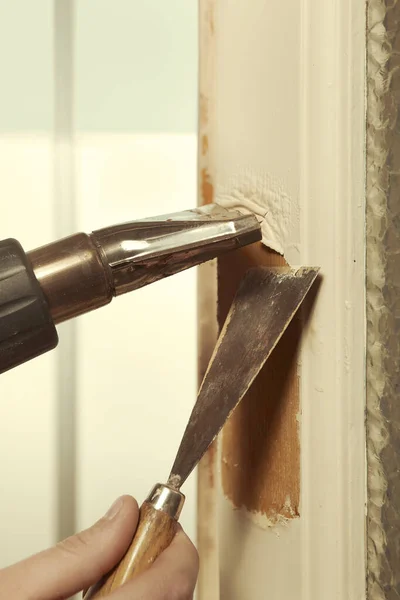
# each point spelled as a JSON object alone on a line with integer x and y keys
{"x": 114, "y": 508}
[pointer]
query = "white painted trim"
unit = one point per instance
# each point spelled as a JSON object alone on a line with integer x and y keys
{"x": 332, "y": 199}
{"x": 289, "y": 108}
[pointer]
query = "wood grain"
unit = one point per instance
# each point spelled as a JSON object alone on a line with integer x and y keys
{"x": 154, "y": 534}
{"x": 260, "y": 450}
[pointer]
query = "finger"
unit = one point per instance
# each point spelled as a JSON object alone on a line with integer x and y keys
{"x": 173, "y": 575}
{"x": 77, "y": 562}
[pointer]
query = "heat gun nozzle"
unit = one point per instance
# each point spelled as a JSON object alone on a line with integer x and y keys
{"x": 141, "y": 252}
{"x": 83, "y": 272}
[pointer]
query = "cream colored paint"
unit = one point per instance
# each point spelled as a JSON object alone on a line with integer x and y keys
{"x": 264, "y": 196}
{"x": 289, "y": 98}
{"x": 259, "y": 562}
{"x": 257, "y": 122}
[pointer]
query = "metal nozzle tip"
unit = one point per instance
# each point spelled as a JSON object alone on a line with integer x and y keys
{"x": 146, "y": 250}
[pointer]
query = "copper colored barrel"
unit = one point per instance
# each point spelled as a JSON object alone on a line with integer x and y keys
{"x": 73, "y": 276}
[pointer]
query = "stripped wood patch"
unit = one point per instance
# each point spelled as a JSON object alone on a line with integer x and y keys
{"x": 260, "y": 449}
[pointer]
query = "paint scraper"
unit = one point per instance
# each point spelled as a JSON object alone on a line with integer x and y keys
{"x": 265, "y": 303}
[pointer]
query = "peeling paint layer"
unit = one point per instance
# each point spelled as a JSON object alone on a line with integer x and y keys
{"x": 264, "y": 196}
{"x": 383, "y": 299}
{"x": 276, "y": 521}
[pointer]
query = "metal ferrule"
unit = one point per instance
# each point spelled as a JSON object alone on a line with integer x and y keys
{"x": 83, "y": 272}
{"x": 162, "y": 497}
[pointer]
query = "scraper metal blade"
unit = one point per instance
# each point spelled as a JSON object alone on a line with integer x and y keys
{"x": 264, "y": 305}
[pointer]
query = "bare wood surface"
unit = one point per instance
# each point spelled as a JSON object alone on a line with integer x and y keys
{"x": 261, "y": 451}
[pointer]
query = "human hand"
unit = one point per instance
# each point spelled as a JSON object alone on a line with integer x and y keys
{"x": 81, "y": 560}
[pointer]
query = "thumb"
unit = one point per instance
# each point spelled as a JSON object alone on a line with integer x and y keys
{"x": 77, "y": 562}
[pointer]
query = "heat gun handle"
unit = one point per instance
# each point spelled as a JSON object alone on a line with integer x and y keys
{"x": 155, "y": 531}
{"x": 26, "y": 325}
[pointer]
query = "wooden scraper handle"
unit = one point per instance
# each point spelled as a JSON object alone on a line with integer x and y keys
{"x": 155, "y": 531}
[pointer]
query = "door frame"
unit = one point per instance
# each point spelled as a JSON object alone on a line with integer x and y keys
{"x": 325, "y": 45}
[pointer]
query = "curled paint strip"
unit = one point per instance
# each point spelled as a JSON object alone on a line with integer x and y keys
{"x": 264, "y": 196}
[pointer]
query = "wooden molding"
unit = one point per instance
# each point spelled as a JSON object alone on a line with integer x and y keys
{"x": 282, "y": 100}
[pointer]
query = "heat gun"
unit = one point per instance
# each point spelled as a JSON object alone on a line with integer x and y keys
{"x": 82, "y": 272}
